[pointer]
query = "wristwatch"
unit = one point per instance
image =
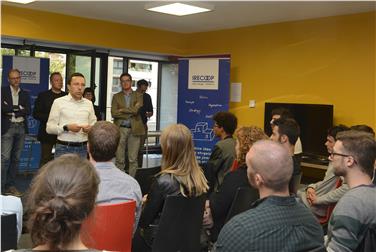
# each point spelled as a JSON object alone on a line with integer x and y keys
{"x": 65, "y": 128}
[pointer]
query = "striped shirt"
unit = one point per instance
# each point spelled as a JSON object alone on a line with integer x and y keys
{"x": 273, "y": 224}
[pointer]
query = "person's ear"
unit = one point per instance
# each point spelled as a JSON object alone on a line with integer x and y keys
{"x": 350, "y": 161}
{"x": 284, "y": 139}
{"x": 259, "y": 180}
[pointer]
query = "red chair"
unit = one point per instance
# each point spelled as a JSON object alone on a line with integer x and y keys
{"x": 110, "y": 227}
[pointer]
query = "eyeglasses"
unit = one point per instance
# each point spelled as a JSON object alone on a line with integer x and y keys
{"x": 332, "y": 154}
{"x": 125, "y": 81}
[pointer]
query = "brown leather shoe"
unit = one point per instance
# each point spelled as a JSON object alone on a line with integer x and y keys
{"x": 12, "y": 190}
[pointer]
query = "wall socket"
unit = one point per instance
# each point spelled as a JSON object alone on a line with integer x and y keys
{"x": 252, "y": 103}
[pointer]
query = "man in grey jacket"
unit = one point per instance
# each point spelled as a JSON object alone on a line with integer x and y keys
{"x": 323, "y": 194}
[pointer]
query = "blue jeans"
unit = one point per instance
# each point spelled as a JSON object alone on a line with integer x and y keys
{"x": 66, "y": 149}
{"x": 12, "y": 144}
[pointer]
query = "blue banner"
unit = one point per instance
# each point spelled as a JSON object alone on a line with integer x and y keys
{"x": 203, "y": 90}
{"x": 34, "y": 79}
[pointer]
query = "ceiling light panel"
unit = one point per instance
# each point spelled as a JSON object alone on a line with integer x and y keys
{"x": 179, "y": 9}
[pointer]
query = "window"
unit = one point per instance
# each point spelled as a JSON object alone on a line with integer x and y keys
{"x": 57, "y": 62}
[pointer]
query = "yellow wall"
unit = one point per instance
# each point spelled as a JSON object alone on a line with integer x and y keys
{"x": 32, "y": 24}
{"x": 327, "y": 60}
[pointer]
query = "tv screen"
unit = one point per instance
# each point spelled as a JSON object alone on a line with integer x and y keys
{"x": 314, "y": 121}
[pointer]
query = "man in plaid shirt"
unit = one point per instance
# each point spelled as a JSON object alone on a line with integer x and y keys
{"x": 276, "y": 222}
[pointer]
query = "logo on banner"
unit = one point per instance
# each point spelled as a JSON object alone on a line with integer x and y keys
{"x": 29, "y": 68}
{"x": 203, "y": 74}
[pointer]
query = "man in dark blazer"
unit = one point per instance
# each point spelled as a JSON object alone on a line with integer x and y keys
{"x": 42, "y": 108}
{"x": 15, "y": 107}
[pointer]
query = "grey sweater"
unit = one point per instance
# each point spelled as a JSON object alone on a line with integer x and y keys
{"x": 351, "y": 218}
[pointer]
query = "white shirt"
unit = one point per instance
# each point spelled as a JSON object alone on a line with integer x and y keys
{"x": 15, "y": 99}
{"x": 66, "y": 110}
{"x": 298, "y": 147}
{"x": 10, "y": 205}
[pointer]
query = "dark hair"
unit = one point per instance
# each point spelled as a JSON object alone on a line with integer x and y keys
{"x": 143, "y": 83}
{"x": 62, "y": 195}
{"x": 89, "y": 90}
{"x": 288, "y": 127}
{"x": 75, "y": 75}
{"x": 125, "y": 74}
{"x": 53, "y": 74}
{"x": 333, "y": 131}
{"x": 283, "y": 112}
{"x": 103, "y": 140}
{"x": 227, "y": 121}
{"x": 362, "y": 146}
{"x": 364, "y": 128}
{"x": 14, "y": 70}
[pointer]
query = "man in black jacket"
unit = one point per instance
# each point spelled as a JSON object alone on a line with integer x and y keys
{"x": 41, "y": 112}
{"x": 146, "y": 111}
{"x": 15, "y": 107}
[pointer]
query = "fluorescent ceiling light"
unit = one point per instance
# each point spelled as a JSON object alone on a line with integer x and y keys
{"x": 178, "y": 9}
{"x": 21, "y": 1}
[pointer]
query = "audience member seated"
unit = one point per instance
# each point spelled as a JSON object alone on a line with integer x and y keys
{"x": 62, "y": 195}
{"x": 180, "y": 175}
{"x": 12, "y": 205}
{"x": 286, "y": 132}
{"x": 219, "y": 203}
{"x": 115, "y": 186}
{"x": 364, "y": 128}
{"x": 223, "y": 154}
{"x": 353, "y": 157}
{"x": 284, "y": 113}
{"x": 321, "y": 196}
{"x": 277, "y": 222}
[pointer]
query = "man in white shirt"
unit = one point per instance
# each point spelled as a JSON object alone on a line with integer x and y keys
{"x": 71, "y": 118}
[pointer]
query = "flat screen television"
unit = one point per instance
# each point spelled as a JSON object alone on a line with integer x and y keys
{"x": 314, "y": 121}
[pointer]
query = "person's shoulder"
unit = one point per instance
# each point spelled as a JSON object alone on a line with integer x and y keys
{"x": 358, "y": 196}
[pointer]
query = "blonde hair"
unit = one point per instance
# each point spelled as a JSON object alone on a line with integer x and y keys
{"x": 247, "y": 136}
{"x": 178, "y": 159}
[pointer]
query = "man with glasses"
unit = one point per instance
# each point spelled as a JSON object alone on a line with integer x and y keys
{"x": 321, "y": 196}
{"x": 223, "y": 154}
{"x": 15, "y": 107}
{"x": 126, "y": 113}
{"x": 353, "y": 157}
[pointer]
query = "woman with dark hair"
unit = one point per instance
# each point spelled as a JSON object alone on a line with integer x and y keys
{"x": 219, "y": 203}
{"x": 62, "y": 195}
{"x": 89, "y": 94}
{"x": 180, "y": 175}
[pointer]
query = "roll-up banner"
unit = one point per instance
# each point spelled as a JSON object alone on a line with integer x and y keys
{"x": 34, "y": 79}
{"x": 204, "y": 89}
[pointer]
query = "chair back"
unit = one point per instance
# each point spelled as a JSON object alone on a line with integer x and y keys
{"x": 180, "y": 224}
{"x": 369, "y": 241}
{"x": 144, "y": 177}
{"x": 110, "y": 227}
{"x": 243, "y": 200}
{"x": 8, "y": 232}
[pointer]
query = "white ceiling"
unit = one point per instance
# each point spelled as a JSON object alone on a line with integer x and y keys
{"x": 226, "y": 14}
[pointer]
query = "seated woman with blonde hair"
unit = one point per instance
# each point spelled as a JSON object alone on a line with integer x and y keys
{"x": 62, "y": 195}
{"x": 219, "y": 203}
{"x": 180, "y": 175}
